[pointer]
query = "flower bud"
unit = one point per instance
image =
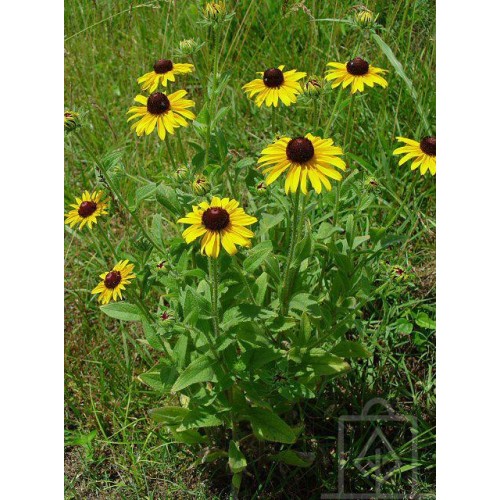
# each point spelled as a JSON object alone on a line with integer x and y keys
{"x": 261, "y": 187}
{"x": 181, "y": 173}
{"x": 188, "y": 46}
{"x": 201, "y": 185}
{"x": 71, "y": 121}
{"x": 312, "y": 85}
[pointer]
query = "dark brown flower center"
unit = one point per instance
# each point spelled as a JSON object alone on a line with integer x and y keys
{"x": 357, "y": 66}
{"x": 163, "y": 66}
{"x": 300, "y": 150}
{"x": 158, "y": 103}
{"x": 112, "y": 279}
{"x": 215, "y": 218}
{"x": 273, "y": 77}
{"x": 87, "y": 208}
{"x": 428, "y": 145}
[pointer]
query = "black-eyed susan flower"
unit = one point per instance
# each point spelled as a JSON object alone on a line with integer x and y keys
{"x": 302, "y": 158}
{"x": 275, "y": 85}
{"x": 201, "y": 185}
{"x": 114, "y": 281}
{"x": 357, "y": 73}
{"x": 222, "y": 222}
{"x": 71, "y": 120}
{"x": 164, "y": 70}
{"x": 162, "y": 111}
{"x": 87, "y": 209}
{"x": 423, "y": 152}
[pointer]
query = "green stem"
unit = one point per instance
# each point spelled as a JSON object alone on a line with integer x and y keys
{"x": 183, "y": 152}
{"x": 170, "y": 152}
{"x": 214, "y": 285}
{"x": 333, "y": 113}
{"x": 273, "y": 120}
{"x": 117, "y": 194}
{"x": 291, "y": 251}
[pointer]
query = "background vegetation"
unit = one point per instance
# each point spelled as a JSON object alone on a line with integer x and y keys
{"x": 113, "y": 449}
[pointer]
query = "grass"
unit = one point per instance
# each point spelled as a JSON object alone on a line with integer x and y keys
{"x": 113, "y": 450}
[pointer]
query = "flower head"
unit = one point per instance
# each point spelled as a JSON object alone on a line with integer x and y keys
{"x": 114, "y": 281}
{"x": 71, "y": 121}
{"x": 201, "y": 185}
{"x": 363, "y": 15}
{"x": 162, "y": 111}
{"x": 302, "y": 158}
{"x": 214, "y": 10}
{"x": 424, "y": 153}
{"x": 87, "y": 209}
{"x": 220, "y": 222}
{"x": 164, "y": 70}
{"x": 357, "y": 73}
{"x": 275, "y": 85}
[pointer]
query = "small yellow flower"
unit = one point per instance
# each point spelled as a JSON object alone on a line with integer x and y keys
{"x": 164, "y": 70}
{"x": 357, "y": 73}
{"x": 162, "y": 111}
{"x": 424, "y": 153}
{"x": 275, "y": 85}
{"x": 363, "y": 15}
{"x": 302, "y": 157}
{"x": 87, "y": 209}
{"x": 114, "y": 281}
{"x": 222, "y": 222}
{"x": 214, "y": 10}
{"x": 71, "y": 120}
{"x": 201, "y": 185}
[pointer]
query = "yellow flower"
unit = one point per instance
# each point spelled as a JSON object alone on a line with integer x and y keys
{"x": 164, "y": 70}
{"x": 87, "y": 209}
{"x": 356, "y": 73}
{"x": 114, "y": 282}
{"x": 275, "y": 85}
{"x": 302, "y": 157}
{"x": 424, "y": 153}
{"x": 166, "y": 112}
{"x": 220, "y": 222}
{"x": 363, "y": 15}
{"x": 214, "y": 10}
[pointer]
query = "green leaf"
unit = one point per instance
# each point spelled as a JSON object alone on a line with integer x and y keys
{"x": 142, "y": 193}
{"x": 268, "y": 426}
{"x": 400, "y": 71}
{"x": 152, "y": 336}
{"x": 160, "y": 378}
{"x": 296, "y": 458}
{"x": 237, "y": 461}
{"x": 167, "y": 197}
{"x": 424, "y": 321}
{"x": 123, "y": 310}
{"x": 245, "y": 313}
{"x": 257, "y": 255}
{"x": 200, "y": 417}
{"x": 320, "y": 363}
{"x": 190, "y": 436}
{"x": 200, "y": 370}
{"x": 349, "y": 349}
{"x": 268, "y": 221}
{"x": 170, "y": 415}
